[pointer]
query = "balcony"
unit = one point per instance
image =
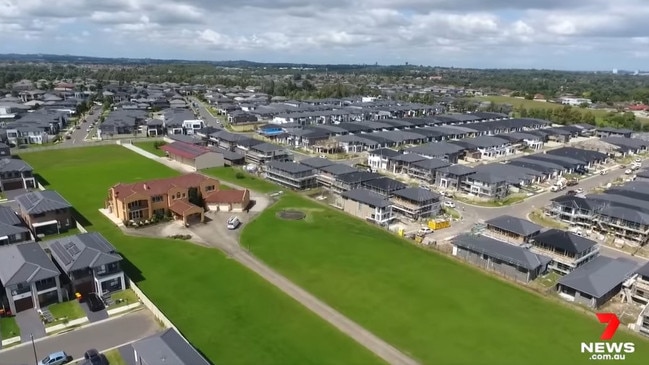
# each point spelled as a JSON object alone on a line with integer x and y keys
{"x": 107, "y": 270}
{"x": 21, "y": 290}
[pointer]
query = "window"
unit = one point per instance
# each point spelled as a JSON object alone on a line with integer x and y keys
{"x": 209, "y": 188}
{"x": 157, "y": 199}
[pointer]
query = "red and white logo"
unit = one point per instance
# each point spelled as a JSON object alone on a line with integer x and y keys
{"x": 608, "y": 350}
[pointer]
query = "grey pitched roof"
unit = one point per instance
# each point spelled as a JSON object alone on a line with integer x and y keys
{"x": 515, "y": 225}
{"x": 431, "y": 164}
{"x": 599, "y": 276}
{"x": 316, "y": 162}
{"x": 515, "y": 255}
{"x": 644, "y": 270}
{"x": 385, "y": 152}
{"x": 385, "y": 183}
{"x": 41, "y": 202}
{"x": 458, "y": 170}
{"x": 417, "y": 194}
{"x": 14, "y": 164}
{"x": 25, "y": 262}
{"x": 367, "y": 197}
{"x": 8, "y": 216}
{"x": 564, "y": 241}
{"x": 83, "y": 251}
{"x": 290, "y": 167}
{"x": 267, "y": 147}
{"x": 168, "y": 347}
{"x": 338, "y": 169}
{"x": 408, "y": 157}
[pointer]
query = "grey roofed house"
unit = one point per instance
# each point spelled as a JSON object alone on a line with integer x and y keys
{"x": 338, "y": 169}
{"x": 564, "y": 241}
{"x": 25, "y": 262}
{"x": 407, "y": 157}
{"x": 36, "y": 202}
{"x": 85, "y": 250}
{"x": 168, "y": 347}
{"x": 488, "y": 178}
{"x": 516, "y": 225}
{"x": 266, "y": 147}
{"x": 385, "y": 152}
{"x": 367, "y": 197}
{"x": 358, "y": 177}
{"x": 431, "y": 164}
{"x": 435, "y": 149}
{"x": 599, "y": 276}
{"x": 10, "y": 223}
{"x": 316, "y": 162}
{"x": 457, "y": 170}
{"x": 290, "y": 167}
{"x": 515, "y": 255}
{"x": 14, "y": 164}
{"x": 385, "y": 184}
{"x": 416, "y": 194}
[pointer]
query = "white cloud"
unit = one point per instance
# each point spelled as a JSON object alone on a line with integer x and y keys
{"x": 425, "y": 31}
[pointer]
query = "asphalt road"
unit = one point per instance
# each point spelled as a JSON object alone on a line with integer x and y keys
{"x": 474, "y": 214}
{"x": 102, "y": 336}
{"x": 79, "y": 135}
{"x": 207, "y": 117}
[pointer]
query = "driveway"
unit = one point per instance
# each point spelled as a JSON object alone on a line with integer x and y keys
{"x": 94, "y": 316}
{"x": 112, "y": 333}
{"x": 127, "y": 354}
{"x": 30, "y": 323}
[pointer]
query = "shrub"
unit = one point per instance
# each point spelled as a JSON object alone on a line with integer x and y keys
{"x": 239, "y": 175}
{"x": 158, "y": 144}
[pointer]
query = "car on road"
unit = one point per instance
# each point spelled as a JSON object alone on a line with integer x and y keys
{"x": 449, "y": 204}
{"x": 571, "y": 192}
{"x": 628, "y": 171}
{"x": 95, "y": 303}
{"x": 637, "y": 160}
{"x": 233, "y": 223}
{"x": 56, "y": 358}
{"x": 424, "y": 230}
{"x": 579, "y": 191}
{"x": 94, "y": 357}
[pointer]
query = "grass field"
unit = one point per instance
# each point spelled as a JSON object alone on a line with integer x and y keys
{"x": 65, "y": 312}
{"x": 438, "y": 310}
{"x": 231, "y": 315}
{"x": 149, "y": 147}
{"x": 9, "y": 327}
{"x": 239, "y": 177}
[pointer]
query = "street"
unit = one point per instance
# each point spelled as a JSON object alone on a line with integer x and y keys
{"x": 78, "y": 135}
{"x": 207, "y": 117}
{"x": 473, "y": 214}
{"x": 103, "y": 335}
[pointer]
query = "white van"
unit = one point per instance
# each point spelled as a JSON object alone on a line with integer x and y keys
{"x": 233, "y": 222}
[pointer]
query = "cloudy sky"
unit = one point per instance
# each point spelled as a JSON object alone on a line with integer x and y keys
{"x": 557, "y": 34}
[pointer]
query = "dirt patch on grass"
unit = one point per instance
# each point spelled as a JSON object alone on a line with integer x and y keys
{"x": 291, "y": 214}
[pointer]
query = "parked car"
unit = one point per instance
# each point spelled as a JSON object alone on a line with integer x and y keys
{"x": 56, "y": 358}
{"x": 628, "y": 171}
{"x": 579, "y": 191}
{"x": 233, "y": 223}
{"x": 424, "y": 230}
{"x": 571, "y": 192}
{"x": 638, "y": 160}
{"x": 94, "y": 357}
{"x": 95, "y": 303}
{"x": 449, "y": 204}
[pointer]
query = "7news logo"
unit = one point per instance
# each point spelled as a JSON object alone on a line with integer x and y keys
{"x": 608, "y": 350}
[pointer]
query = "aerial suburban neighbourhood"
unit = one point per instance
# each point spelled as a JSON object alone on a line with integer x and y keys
{"x": 191, "y": 212}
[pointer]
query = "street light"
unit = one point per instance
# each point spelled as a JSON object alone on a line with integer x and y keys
{"x": 34, "y": 348}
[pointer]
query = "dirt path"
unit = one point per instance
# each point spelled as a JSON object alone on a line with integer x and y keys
{"x": 384, "y": 350}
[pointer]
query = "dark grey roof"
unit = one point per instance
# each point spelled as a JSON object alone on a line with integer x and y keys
{"x": 599, "y": 276}
{"x": 25, "y": 262}
{"x": 41, "y": 202}
{"x": 14, "y": 164}
{"x": 168, "y": 347}
{"x": 386, "y": 152}
{"x": 358, "y": 177}
{"x": 644, "y": 270}
{"x": 316, "y": 162}
{"x": 10, "y": 224}
{"x": 564, "y": 241}
{"x": 486, "y": 177}
{"x": 458, "y": 170}
{"x": 431, "y": 164}
{"x": 229, "y": 155}
{"x": 515, "y": 225}
{"x": 515, "y": 255}
{"x": 338, "y": 169}
{"x": 408, "y": 157}
{"x": 290, "y": 167}
{"x": 416, "y": 194}
{"x": 385, "y": 184}
{"x": 266, "y": 147}
{"x": 85, "y": 250}
{"x": 367, "y": 197}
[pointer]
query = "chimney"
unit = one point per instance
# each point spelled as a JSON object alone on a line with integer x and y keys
{"x": 146, "y": 187}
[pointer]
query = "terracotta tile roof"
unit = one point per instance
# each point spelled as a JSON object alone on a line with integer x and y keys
{"x": 158, "y": 187}
{"x": 227, "y": 196}
{"x": 184, "y": 150}
{"x": 181, "y": 206}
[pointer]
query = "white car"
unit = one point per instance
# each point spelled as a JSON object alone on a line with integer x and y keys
{"x": 425, "y": 230}
{"x": 628, "y": 171}
{"x": 579, "y": 191}
{"x": 56, "y": 358}
{"x": 233, "y": 223}
{"x": 637, "y": 160}
{"x": 449, "y": 204}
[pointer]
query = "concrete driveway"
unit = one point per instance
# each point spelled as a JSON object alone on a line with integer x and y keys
{"x": 94, "y": 316}
{"x": 103, "y": 335}
{"x": 30, "y": 324}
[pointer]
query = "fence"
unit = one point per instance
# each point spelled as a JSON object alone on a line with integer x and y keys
{"x": 81, "y": 228}
{"x": 151, "y": 307}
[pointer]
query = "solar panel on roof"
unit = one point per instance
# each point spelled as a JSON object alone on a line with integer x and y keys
{"x": 72, "y": 248}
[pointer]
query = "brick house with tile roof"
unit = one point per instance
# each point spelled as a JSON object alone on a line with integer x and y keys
{"x": 184, "y": 197}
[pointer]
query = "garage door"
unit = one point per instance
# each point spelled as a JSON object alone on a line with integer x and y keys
{"x": 24, "y": 304}
{"x": 13, "y": 185}
{"x": 84, "y": 288}
{"x": 194, "y": 218}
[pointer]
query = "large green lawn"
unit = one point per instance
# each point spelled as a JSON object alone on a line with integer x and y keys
{"x": 150, "y": 146}
{"x": 437, "y": 309}
{"x": 231, "y": 315}
{"x": 241, "y": 178}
